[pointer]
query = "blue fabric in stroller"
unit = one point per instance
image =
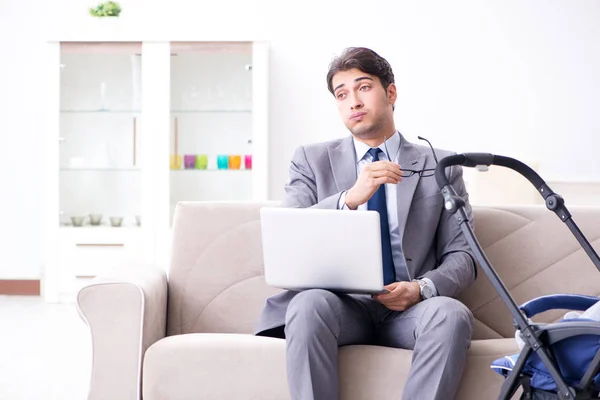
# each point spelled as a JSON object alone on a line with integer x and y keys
{"x": 559, "y": 360}
{"x": 573, "y": 355}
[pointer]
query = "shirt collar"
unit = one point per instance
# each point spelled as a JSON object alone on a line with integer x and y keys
{"x": 392, "y": 143}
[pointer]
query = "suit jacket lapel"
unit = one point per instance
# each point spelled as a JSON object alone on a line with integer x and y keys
{"x": 343, "y": 164}
{"x": 410, "y": 158}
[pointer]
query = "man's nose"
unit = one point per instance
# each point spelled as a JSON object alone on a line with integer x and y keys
{"x": 355, "y": 102}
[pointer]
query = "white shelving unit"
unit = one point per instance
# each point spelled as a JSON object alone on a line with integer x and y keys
{"x": 119, "y": 114}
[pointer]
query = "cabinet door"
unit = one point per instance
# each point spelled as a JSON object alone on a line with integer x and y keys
{"x": 87, "y": 253}
{"x": 211, "y": 136}
{"x": 100, "y": 135}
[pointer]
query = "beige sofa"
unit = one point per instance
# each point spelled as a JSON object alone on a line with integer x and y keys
{"x": 189, "y": 336}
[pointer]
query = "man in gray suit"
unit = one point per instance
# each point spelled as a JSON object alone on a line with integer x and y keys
{"x": 427, "y": 260}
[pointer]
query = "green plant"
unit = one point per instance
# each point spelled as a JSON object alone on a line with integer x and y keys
{"x": 106, "y": 9}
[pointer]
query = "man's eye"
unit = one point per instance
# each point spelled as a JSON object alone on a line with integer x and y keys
{"x": 341, "y": 95}
{"x": 365, "y": 87}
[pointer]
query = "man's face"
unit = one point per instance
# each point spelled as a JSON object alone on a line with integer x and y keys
{"x": 364, "y": 105}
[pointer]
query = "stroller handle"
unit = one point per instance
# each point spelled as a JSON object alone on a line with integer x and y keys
{"x": 454, "y": 203}
{"x": 476, "y": 159}
{"x": 554, "y": 202}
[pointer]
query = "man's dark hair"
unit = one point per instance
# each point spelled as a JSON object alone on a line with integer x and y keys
{"x": 363, "y": 59}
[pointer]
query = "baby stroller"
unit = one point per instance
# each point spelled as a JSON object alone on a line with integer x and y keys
{"x": 559, "y": 360}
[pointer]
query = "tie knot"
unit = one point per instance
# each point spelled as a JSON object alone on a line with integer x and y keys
{"x": 374, "y": 152}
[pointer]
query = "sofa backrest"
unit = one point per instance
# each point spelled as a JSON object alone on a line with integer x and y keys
{"x": 216, "y": 279}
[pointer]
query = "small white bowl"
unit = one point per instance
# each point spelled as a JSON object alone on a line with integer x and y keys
{"x": 116, "y": 221}
{"x": 77, "y": 220}
{"x": 95, "y": 219}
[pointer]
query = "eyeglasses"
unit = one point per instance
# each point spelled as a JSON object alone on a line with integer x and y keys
{"x": 406, "y": 173}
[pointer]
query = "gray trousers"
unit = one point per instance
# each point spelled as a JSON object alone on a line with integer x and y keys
{"x": 318, "y": 321}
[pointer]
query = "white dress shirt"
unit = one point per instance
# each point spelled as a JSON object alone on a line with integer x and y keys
{"x": 393, "y": 145}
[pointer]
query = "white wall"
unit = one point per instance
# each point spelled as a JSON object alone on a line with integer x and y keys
{"x": 22, "y": 98}
{"x": 518, "y": 78}
{"x": 508, "y": 77}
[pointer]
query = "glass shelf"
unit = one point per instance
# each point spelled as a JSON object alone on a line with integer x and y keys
{"x": 100, "y": 134}
{"x": 210, "y": 111}
{"x": 100, "y": 111}
{"x": 211, "y": 116}
{"x": 232, "y": 111}
{"x": 210, "y": 170}
{"x": 100, "y": 227}
{"x": 110, "y": 169}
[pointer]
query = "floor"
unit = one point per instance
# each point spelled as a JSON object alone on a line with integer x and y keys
{"x": 45, "y": 350}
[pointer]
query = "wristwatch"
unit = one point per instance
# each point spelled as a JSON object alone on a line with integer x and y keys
{"x": 426, "y": 289}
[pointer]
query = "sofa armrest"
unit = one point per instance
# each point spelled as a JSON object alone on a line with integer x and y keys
{"x": 126, "y": 312}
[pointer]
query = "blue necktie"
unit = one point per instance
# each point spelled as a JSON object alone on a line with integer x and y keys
{"x": 378, "y": 203}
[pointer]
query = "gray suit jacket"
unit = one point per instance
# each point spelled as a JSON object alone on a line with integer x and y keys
{"x": 433, "y": 244}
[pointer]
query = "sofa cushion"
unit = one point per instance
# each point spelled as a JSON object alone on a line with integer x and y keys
{"x": 535, "y": 254}
{"x": 216, "y": 279}
{"x": 215, "y": 366}
{"x": 211, "y": 366}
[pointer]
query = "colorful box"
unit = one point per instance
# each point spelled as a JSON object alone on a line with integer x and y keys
{"x": 235, "y": 162}
{"x": 175, "y": 162}
{"x": 201, "y": 161}
{"x": 189, "y": 161}
{"x": 222, "y": 161}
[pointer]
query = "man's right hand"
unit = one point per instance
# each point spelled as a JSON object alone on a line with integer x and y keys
{"x": 372, "y": 176}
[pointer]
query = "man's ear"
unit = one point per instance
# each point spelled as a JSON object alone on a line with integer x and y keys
{"x": 391, "y": 93}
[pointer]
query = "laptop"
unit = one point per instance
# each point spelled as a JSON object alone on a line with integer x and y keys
{"x": 308, "y": 248}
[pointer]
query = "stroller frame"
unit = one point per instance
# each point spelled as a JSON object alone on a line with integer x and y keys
{"x": 538, "y": 338}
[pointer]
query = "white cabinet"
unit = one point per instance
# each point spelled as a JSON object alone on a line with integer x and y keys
{"x": 134, "y": 127}
{"x": 99, "y": 166}
{"x": 211, "y": 122}
{"x": 85, "y": 253}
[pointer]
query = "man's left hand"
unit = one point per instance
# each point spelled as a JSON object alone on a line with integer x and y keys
{"x": 402, "y": 296}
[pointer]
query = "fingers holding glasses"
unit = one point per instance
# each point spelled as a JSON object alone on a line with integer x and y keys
{"x": 372, "y": 176}
{"x": 380, "y": 169}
